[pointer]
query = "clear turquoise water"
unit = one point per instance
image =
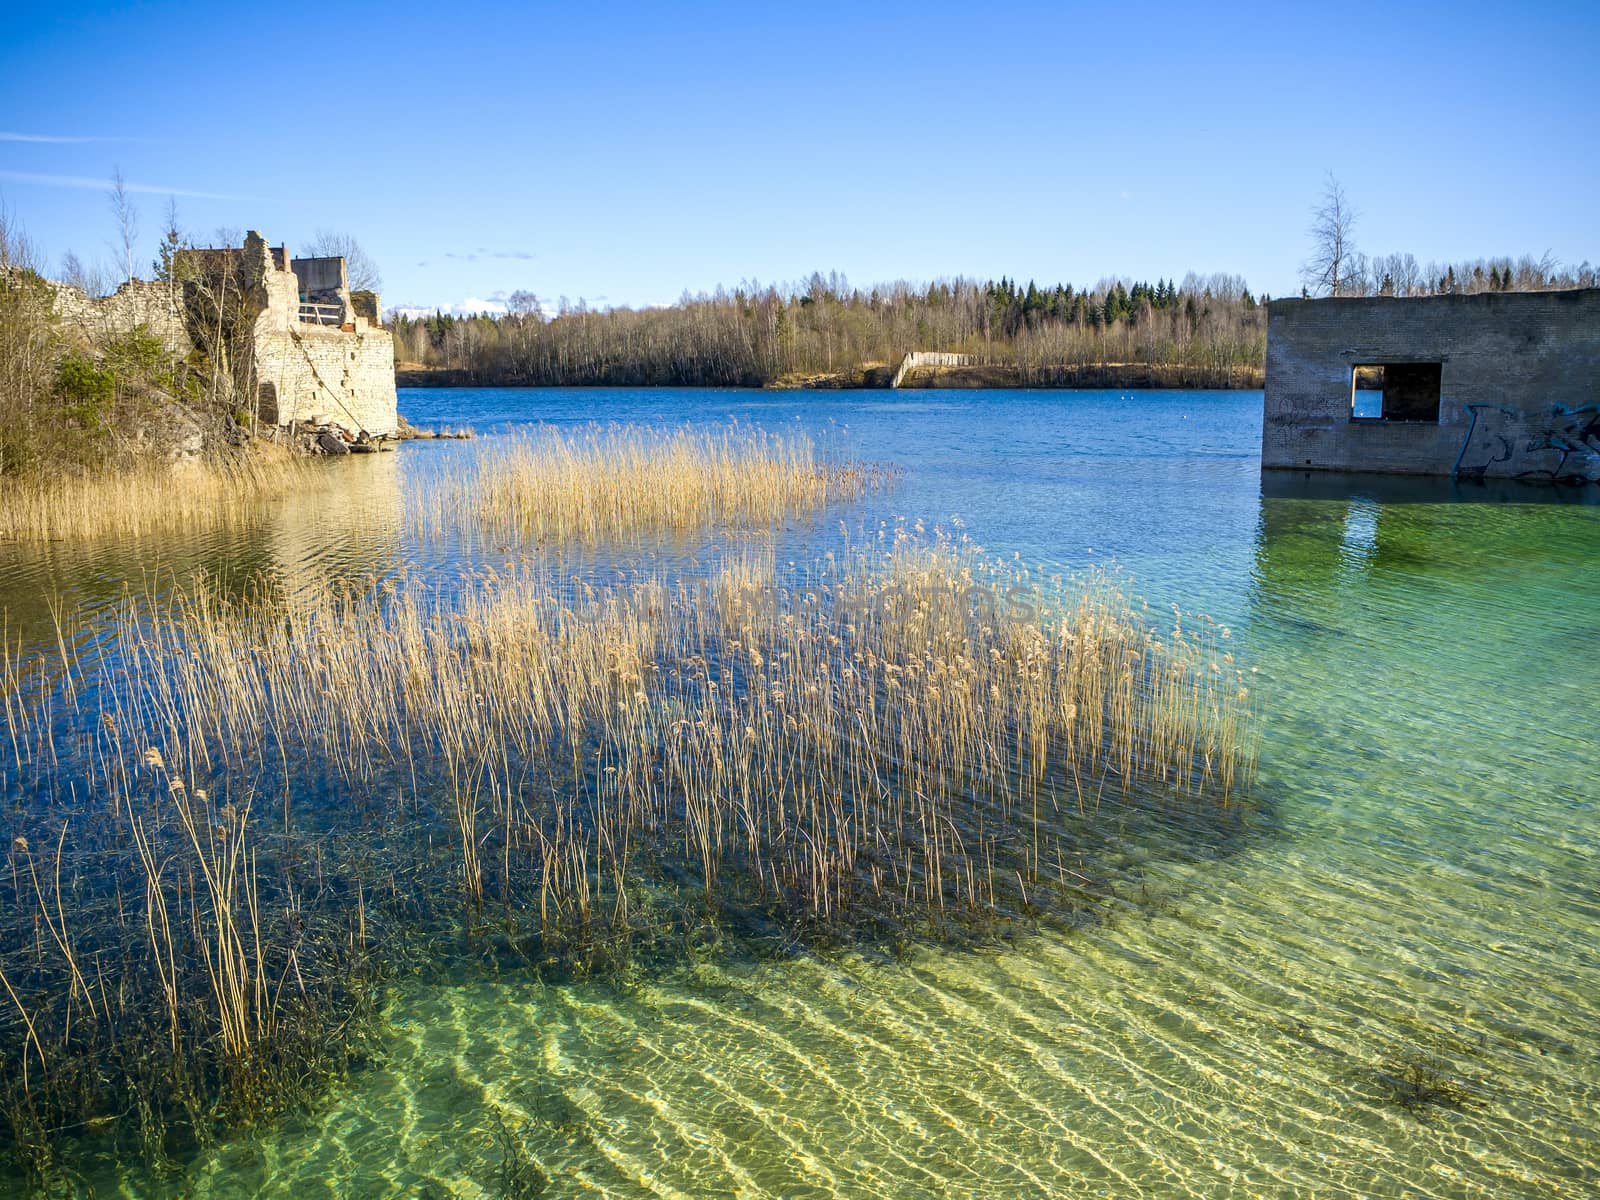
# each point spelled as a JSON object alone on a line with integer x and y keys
{"x": 1418, "y": 897}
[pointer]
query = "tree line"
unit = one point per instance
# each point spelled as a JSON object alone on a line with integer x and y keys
{"x": 1209, "y": 326}
{"x": 1337, "y": 267}
{"x": 1201, "y": 331}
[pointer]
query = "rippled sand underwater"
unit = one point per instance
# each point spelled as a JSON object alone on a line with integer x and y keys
{"x": 1388, "y": 985}
{"x": 1177, "y": 1050}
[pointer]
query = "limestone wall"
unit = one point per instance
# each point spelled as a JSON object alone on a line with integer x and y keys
{"x": 1519, "y": 393}
{"x": 927, "y": 358}
{"x": 304, "y": 371}
{"x": 141, "y": 302}
{"x": 301, "y": 369}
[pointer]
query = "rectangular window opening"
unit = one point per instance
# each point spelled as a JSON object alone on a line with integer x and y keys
{"x": 1406, "y": 391}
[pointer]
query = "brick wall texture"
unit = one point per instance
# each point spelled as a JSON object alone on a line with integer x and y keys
{"x": 1519, "y": 384}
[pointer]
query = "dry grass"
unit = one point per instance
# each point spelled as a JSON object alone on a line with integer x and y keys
{"x": 148, "y": 497}
{"x": 891, "y": 730}
{"x": 600, "y": 483}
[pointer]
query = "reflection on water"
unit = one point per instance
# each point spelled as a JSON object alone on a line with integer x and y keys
{"x": 1388, "y": 984}
{"x": 345, "y": 530}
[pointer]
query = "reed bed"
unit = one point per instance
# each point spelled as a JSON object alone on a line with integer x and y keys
{"x": 606, "y": 482}
{"x": 146, "y": 497}
{"x": 224, "y": 831}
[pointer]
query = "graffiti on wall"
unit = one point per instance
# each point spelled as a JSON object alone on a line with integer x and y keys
{"x": 1558, "y": 443}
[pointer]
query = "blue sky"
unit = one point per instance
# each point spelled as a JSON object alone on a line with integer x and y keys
{"x": 623, "y": 154}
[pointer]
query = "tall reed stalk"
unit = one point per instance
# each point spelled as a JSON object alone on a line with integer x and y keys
{"x": 604, "y": 482}
{"x": 902, "y": 739}
{"x": 146, "y": 497}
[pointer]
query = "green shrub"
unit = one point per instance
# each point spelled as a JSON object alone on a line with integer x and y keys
{"x": 137, "y": 354}
{"x": 87, "y": 393}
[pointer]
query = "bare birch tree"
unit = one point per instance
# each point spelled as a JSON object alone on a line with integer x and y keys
{"x": 1332, "y": 242}
{"x": 360, "y": 270}
{"x": 126, "y": 217}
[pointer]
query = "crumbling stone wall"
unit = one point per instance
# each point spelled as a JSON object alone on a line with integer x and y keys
{"x": 151, "y": 304}
{"x": 304, "y": 370}
{"x": 1519, "y": 393}
{"x": 296, "y": 370}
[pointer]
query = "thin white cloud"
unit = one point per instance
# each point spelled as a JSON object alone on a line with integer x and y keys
{"x": 89, "y": 183}
{"x": 58, "y": 139}
{"x": 474, "y": 255}
{"x": 471, "y": 306}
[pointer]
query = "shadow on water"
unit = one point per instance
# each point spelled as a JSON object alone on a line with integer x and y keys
{"x": 1328, "y": 545}
{"x": 1417, "y": 489}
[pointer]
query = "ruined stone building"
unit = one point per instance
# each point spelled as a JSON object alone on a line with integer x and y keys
{"x": 298, "y": 346}
{"x": 1494, "y": 385}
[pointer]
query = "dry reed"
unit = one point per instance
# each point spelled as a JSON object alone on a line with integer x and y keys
{"x": 605, "y": 482}
{"x": 902, "y": 739}
{"x": 140, "y": 499}
{"x": 882, "y": 730}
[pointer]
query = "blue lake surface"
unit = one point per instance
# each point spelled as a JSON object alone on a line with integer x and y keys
{"x": 1420, "y": 898}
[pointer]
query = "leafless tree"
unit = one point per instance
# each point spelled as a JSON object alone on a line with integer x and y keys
{"x": 1407, "y": 275}
{"x": 29, "y": 348}
{"x": 1208, "y": 330}
{"x": 1332, "y": 241}
{"x": 126, "y": 217}
{"x": 359, "y": 268}
{"x": 88, "y": 278}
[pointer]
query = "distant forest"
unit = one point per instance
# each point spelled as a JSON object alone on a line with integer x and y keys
{"x": 1203, "y": 331}
{"x": 823, "y": 330}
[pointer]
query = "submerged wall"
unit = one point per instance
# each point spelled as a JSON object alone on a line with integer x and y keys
{"x": 1518, "y": 392}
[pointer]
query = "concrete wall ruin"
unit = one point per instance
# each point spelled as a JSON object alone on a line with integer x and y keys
{"x": 324, "y": 291}
{"x": 1517, "y": 393}
{"x": 320, "y": 276}
{"x": 917, "y": 359}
